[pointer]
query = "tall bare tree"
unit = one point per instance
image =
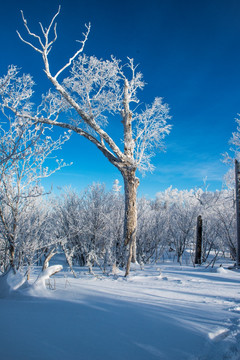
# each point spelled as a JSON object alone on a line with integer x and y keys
{"x": 94, "y": 91}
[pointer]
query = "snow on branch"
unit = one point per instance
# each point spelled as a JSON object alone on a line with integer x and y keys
{"x": 135, "y": 82}
{"x": 44, "y": 47}
{"x": 150, "y": 129}
{"x": 46, "y": 44}
{"x": 85, "y": 35}
{"x": 97, "y": 89}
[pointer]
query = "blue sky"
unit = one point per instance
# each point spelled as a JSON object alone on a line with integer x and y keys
{"x": 188, "y": 52}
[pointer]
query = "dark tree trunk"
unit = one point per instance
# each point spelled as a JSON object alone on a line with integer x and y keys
{"x": 198, "y": 253}
{"x": 12, "y": 256}
{"x": 237, "y": 180}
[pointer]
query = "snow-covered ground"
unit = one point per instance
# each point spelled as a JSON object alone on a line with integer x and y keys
{"x": 163, "y": 312}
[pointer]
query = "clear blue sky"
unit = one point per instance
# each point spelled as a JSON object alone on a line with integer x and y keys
{"x": 189, "y": 53}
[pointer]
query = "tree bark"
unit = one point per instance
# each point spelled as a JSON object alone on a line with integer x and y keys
{"x": 131, "y": 183}
{"x": 237, "y": 184}
{"x": 198, "y": 252}
{"x": 12, "y": 256}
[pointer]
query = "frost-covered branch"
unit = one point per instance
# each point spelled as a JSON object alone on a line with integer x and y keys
{"x": 229, "y": 158}
{"x": 85, "y": 37}
{"x": 45, "y": 47}
{"x": 150, "y": 130}
{"x": 89, "y": 118}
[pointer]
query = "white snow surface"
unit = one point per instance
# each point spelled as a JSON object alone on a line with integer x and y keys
{"x": 163, "y": 312}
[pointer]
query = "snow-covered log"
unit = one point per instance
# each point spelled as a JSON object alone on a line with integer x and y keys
{"x": 47, "y": 273}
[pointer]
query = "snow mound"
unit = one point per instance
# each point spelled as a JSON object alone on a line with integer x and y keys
{"x": 10, "y": 282}
{"x": 221, "y": 270}
{"x": 135, "y": 266}
{"x": 219, "y": 334}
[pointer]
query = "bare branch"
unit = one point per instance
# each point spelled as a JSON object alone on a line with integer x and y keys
{"x": 29, "y": 32}
{"x": 53, "y": 19}
{"x": 100, "y": 144}
{"x": 46, "y": 32}
{"x": 78, "y": 52}
{"x": 46, "y": 48}
{"x": 41, "y": 27}
{"x": 28, "y": 43}
{"x": 55, "y": 38}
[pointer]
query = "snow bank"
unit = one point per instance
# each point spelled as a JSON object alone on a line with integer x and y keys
{"x": 10, "y": 282}
{"x": 221, "y": 270}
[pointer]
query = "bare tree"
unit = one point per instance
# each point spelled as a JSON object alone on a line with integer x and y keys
{"x": 94, "y": 91}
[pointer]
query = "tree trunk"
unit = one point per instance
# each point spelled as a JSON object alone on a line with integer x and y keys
{"x": 69, "y": 260}
{"x": 12, "y": 256}
{"x": 237, "y": 181}
{"x": 131, "y": 183}
{"x": 198, "y": 252}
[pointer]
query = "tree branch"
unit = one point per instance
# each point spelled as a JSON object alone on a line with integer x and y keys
{"x": 28, "y": 43}
{"x": 87, "y": 119}
{"x": 101, "y": 146}
{"x": 77, "y": 53}
{"x": 29, "y": 32}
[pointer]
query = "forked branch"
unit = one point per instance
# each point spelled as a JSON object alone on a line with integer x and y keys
{"x": 46, "y": 44}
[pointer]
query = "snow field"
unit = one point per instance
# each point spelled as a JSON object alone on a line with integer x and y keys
{"x": 163, "y": 312}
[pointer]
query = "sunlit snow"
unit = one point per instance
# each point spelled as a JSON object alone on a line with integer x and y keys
{"x": 164, "y": 311}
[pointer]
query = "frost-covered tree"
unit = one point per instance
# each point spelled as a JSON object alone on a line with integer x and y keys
{"x": 152, "y": 234}
{"x": 219, "y": 223}
{"x": 95, "y": 90}
{"x": 226, "y": 238}
{"x": 89, "y": 227}
{"x": 183, "y": 209}
{"x": 24, "y": 149}
{"x": 68, "y": 223}
{"x": 96, "y": 209}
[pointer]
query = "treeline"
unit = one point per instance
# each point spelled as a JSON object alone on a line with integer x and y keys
{"x": 88, "y": 227}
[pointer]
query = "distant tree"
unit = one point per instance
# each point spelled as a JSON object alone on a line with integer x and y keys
{"x": 225, "y": 213}
{"x": 68, "y": 223}
{"x": 94, "y": 91}
{"x": 152, "y": 234}
{"x": 182, "y": 208}
{"x": 89, "y": 227}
